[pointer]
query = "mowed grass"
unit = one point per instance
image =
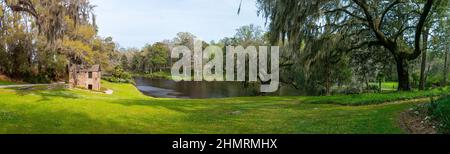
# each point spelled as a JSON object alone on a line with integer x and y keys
{"x": 3, "y": 83}
{"x": 127, "y": 111}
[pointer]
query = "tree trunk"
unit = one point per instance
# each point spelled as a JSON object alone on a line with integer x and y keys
{"x": 380, "y": 84}
{"x": 444, "y": 81}
{"x": 328, "y": 81}
{"x": 367, "y": 84}
{"x": 403, "y": 75}
{"x": 424, "y": 61}
{"x": 423, "y": 66}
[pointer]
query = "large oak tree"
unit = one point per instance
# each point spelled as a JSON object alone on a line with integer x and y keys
{"x": 396, "y": 25}
{"x": 49, "y": 15}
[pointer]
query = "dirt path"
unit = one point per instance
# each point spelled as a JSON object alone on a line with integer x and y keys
{"x": 417, "y": 121}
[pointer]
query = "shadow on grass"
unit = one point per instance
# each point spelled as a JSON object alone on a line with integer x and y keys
{"x": 225, "y": 105}
{"x": 46, "y": 92}
{"x": 59, "y": 122}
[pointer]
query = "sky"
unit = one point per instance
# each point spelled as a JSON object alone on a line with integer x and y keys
{"x": 134, "y": 23}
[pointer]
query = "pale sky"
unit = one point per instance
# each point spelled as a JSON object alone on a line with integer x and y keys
{"x": 134, "y": 23}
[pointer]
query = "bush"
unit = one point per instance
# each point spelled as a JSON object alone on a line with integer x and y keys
{"x": 373, "y": 88}
{"x": 156, "y": 75}
{"x": 353, "y": 89}
{"x": 117, "y": 80}
{"x": 120, "y": 73}
{"x": 119, "y": 76}
{"x": 440, "y": 111}
{"x": 41, "y": 78}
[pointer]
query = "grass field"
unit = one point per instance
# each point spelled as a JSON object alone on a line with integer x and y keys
{"x": 128, "y": 111}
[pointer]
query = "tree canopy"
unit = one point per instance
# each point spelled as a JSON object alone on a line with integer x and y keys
{"x": 39, "y": 38}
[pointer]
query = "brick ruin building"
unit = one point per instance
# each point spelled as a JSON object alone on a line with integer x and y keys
{"x": 82, "y": 76}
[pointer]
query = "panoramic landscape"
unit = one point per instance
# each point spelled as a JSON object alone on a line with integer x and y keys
{"x": 297, "y": 67}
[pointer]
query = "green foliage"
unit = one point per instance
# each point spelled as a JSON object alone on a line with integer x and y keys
{"x": 120, "y": 73}
{"x": 48, "y": 16}
{"x": 377, "y": 98}
{"x": 373, "y": 88}
{"x": 119, "y": 76}
{"x": 321, "y": 63}
{"x": 247, "y": 35}
{"x": 361, "y": 24}
{"x": 440, "y": 110}
{"x": 38, "y": 50}
{"x": 124, "y": 62}
{"x": 157, "y": 54}
{"x": 155, "y": 75}
{"x": 153, "y": 57}
{"x": 40, "y": 78}
{"x": 136, "y": 62}
{"x": 117, "y": 80}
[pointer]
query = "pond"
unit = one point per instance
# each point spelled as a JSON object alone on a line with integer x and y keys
{"x": 162, "y": 88}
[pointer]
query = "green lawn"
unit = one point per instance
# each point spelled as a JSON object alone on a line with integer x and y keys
{"x": 387, "y": 86}
{"x": 128, "y": 111}
{"x": 2, "y": 83}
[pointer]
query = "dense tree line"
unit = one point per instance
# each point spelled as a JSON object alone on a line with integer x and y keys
{"x": 321, "y": 65}
{"x": 148, "y": 60}
{"x": 156, "y": 57}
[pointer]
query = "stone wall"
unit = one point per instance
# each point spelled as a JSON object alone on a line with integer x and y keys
{"x": 83, "y": 80}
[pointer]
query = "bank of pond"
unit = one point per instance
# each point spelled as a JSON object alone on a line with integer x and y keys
{"x": 166, "y": 88}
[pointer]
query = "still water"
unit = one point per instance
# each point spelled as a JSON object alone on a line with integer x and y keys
{"x": 162, "y": 88}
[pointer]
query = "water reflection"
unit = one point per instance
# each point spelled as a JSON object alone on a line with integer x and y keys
{"x": 162, "y": 88}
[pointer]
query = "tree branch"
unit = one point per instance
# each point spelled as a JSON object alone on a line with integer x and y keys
{"x": 23, "y": 6}
{"x": 400, "y": 32}
{"x": 347, "y": 12}
{"x": 389, "y": 44}
{"x": 386, "y": 11}
{"x": 363, "y": 44}
{"x": 419, "y": 30}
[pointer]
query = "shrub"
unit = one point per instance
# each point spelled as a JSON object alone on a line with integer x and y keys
{"x": 120, "y": 73}
{"x": 373, "y": 88}
{"x": 117, "y": 80}
{"x": 353, "y": 89}
{"x": 41, "y": 78}
{"x": 156, "y": 75}
{"x": 440, "y": 110}
{"x": 119, "y": 76}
